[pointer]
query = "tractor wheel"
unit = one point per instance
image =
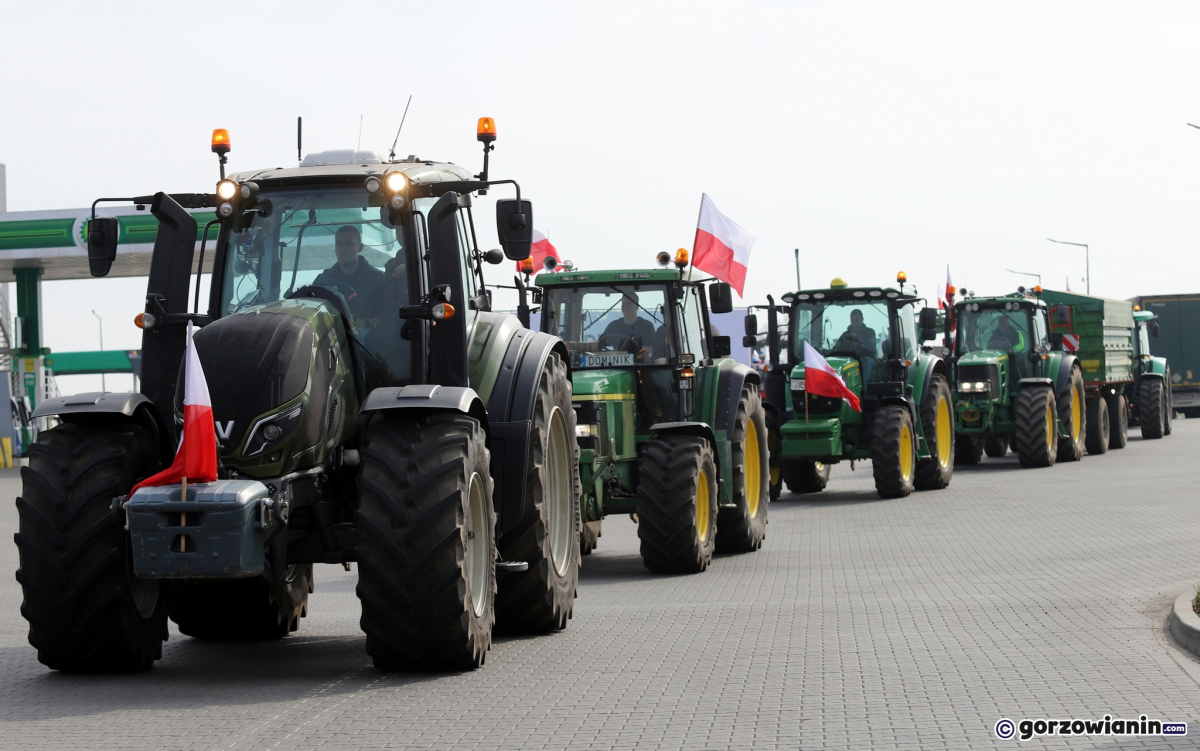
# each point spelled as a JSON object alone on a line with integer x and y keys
{"x": 996, "y": 446}
{"x": 87, "y": 611}
{"x": 1037, "y": 427}
{"x": 968, "y": 449}
{"x": 893, "y": 451}
{"x": 242, "y": 609}
{"x": 1151, "y": 409}
{"x": 1099, "y": 428}
{"x": 937, "y": 425}
{"x": 589, "y": 537}
{"x": 744, "y": 527}
{"x": 805, "y": 475}
{"x": 1072, "y": 411}
{"x": 1118, "y": 422}
{"x": 541, "y": 599}
{"x": 1168, "y": 404}
{"x": 677, "y": 504}
{"x": 427, "y": 542}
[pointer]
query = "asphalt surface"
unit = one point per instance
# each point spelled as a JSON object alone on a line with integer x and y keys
{"x": 862, "y": 623}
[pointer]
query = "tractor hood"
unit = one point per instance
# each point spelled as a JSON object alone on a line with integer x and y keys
{"x": 600, "y": 384}
{"x": 983, "y": 357}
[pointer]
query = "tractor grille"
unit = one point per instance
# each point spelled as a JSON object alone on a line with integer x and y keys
{"x": 817, "y": 405}
{"x": 989, "y": 373}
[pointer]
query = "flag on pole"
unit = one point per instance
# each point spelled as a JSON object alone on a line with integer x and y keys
{"x": 540, "y": 250}
{"x": 820, "y": 379}
{"x": 722, "y": 248}
{"x": 196, "y": 458}
{"x": 1068, "y": 284}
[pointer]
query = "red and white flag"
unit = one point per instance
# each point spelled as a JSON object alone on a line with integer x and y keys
{"x": 196, "y": 458}
{"x": 722, "y": 248}
{"x": 541, "y": 249}
{"x": 820, "y": 379}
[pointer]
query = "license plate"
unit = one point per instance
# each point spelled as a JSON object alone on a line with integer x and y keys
{"x": 1185, "y": 399}
{"x": 605, "y": 359}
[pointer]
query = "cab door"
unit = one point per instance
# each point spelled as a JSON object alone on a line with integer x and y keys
{"x": 693, "y": 340}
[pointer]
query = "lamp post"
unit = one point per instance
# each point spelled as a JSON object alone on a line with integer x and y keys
{"x": 1087, "y": 259}
{"x": 1026, "y": 273}
{"x": 103, "y": 381}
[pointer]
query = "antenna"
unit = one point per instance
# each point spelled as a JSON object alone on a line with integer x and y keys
{"x": 299, "y": 158}
{"x": 392, "y": 155}
{"x": 359, "y": 146}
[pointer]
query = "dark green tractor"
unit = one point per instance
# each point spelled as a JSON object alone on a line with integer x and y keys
{"x": 869, "y": 337}
{"x": 369, "y": 408}
{"x": 671, "y": 429}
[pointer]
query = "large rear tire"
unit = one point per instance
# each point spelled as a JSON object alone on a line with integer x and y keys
{"x": 677, "y": 504}
{"x": 87, "y": 611}
{"x": 1037, "y": 427}
{"x": 541, "y": 598}
{"x": 937, "y": 425}
{"x": 1118, "y": 422}
{"x": 1099, "y": 427}
{"x": 1072, "y": 411}
{"x": 968, "y": 449}
{"x": 805, "y": 475}
{"x": 1151, "y": 408}
{"x": 893, "y": 451}
{"x": 744, "y": 527}
{"x": 427, "y": 551}
{"x": 242, "y": 609}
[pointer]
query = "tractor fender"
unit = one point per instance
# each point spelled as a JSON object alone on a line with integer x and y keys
{"x": 732, "y": 381}
{"x": 935, "y": 366}
{"x": 907, "y": 403}
{"x": 510, "y": 408}
{"x": 703, "y": 430}
{"x": 131, "y": 406}
{"x": 426, "y": 398}
{"x": 1062, "y": 384}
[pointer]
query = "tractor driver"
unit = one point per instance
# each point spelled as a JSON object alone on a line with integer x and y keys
{"x": 630, "y": 332}
{"x": 1006, "y": 337}
{"x": 361, "y": 283}
{"x": 859, "y": 339}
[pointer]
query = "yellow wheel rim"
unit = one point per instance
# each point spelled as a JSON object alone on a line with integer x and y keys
{"x": 819, "y": 466}
{"x": 752, "y": 469}
{"x": 1076, "y": 415}
{"x": 906, "y": 453}
{"x": 1049, "y": 428}
{"x": 943, "y": 432}
{"x": 702, "y": 515}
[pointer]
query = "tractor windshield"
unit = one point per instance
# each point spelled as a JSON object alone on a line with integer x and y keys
{"x": 1004, "y": 329}
{"x": 609, "y": 326}
{"x": 328, "y": 238}
{"x": 846, "y": 328}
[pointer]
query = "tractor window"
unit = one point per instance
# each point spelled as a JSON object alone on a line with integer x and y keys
{"x": 609, "y": 325}
{"x": 329, "y": 238}
{"x": 840, "y": 327}
{"x": 693, "y": 330}
{"x": 1003, "y": 329}
{"x": 907, "y": 325}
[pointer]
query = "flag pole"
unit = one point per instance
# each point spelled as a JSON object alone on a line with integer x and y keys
{"x": 806, "y": 406}
{"x": 183, "y": 518}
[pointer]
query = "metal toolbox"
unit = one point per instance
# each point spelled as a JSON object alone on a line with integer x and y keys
{"x": 216, "y": 533}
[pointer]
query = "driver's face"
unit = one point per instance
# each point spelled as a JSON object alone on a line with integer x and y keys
{"x": 856, "y": 319}
{"x": 346, "y": 247}
{"x": 629, "y": 310}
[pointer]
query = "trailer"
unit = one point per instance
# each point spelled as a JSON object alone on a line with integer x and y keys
{"x": 1178, "y": 321}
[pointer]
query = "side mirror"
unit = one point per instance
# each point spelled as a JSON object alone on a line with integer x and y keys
{"x": 494, "y": 256}
{"x": 1056, "y": 339}
{"x": 720, "y": 298}
{"x": 927, "y": 318}
{"x": 102, "y": 244}
{"x": 751, "y": 325}
{"x": 1154, "y": 329}
{"x": 1062, "y": 314}
{"x": 514, "y": 227}
{"x": 749, "y": 341}
{"x": 928, "y": 334}
{"x": 721, "y": 346}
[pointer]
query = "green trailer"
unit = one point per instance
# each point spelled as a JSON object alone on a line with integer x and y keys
{"x": 1178, "y": 317}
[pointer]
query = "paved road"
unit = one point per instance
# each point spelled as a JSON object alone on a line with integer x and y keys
{"x": 863, "y": 623}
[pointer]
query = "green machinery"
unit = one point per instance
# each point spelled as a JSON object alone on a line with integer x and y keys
{"x": 1015, "y": 389}
{"x": 1123, "y": 381}
{"x": 869, "y": 337}
{"x": 368, "y": 406}
{"x": 670, "y": 428}
{"x": 1176, "y": 316}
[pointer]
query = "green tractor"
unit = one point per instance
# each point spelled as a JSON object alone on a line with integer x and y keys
{"x": 671, "y": 429}
{"x": 1016, "y": 390}
{"x": 368, "y": 405}
{"x": 1150, "y": 396}
{"x": 869, "y": 337}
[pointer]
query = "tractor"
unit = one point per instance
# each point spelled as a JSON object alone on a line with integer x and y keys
{"x": 670, "y": 428}
{"x": 868, "y": 336}
{"x": 1015, "y": 388}
{"x": 369, "y": 407}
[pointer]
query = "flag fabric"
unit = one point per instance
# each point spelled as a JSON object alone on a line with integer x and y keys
{"x": 722, "y": 248}
{"x": 820, "y": 379}
{"x": 541, "y": 249}
{"x": 949, "y": 285}
{"x": 1068, "y": 284}
{"x": 196, "y": 458}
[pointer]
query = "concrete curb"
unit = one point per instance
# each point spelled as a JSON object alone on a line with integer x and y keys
{"x": 1184, "y": 623}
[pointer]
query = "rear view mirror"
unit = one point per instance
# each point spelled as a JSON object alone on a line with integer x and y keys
{"x": 721, "y": 346}
{"x": 514, "y": 227}
{"x": 1154, "y": 329}
{"x": 494, "y": 256}
{"x": 1056, "y": 339}
{"x": 751, "y": 325}
{"x": 720, "y": 298}
{"x": 927, "y": 318}
{"x": 1062, "y": 314}
{"x": 749, "y": 341}
{"x": 102, "y": 244}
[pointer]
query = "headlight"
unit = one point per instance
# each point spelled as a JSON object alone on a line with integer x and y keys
{"x": 797, "y": 384}
{"x": 582, "y": 431}
{"x": 372, "y": 184}
{"x": 396, "y": 182}
{"x": 272, "y": 430}
{"x": 226, "y": 190}
{"x": 975, "y": 387}
{"x": 225, "y": 210}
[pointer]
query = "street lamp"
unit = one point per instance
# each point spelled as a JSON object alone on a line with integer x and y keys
{"x": 103, "y": 382}
{"x": 1087, "y": 259}
{"x": 1027, "y": 273}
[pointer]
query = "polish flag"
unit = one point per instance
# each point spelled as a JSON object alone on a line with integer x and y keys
{"x": 541, "y": 249}
{"x": 196, "y": 458}
{"x": 722, "y": 248}
{"x": 820, "y": 379}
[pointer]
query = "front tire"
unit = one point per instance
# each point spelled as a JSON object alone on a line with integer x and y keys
{"x": 1072, "y": 411}
{"x": 1151, "y": 409}
{"x": 742, "y": 529}
{"x": 1118, "y": 418}
{"x": 87, "y": 611}
{"x": 937, "y": 425}
{"x": 805, "y": 475}
{"x": 968, "y": 449}
{"x": 242, "y": 609}
{"x": 427, "y": 550}
{"x": 1099, "y": 427}
{"x": 893, "y": 452}
{"x": 541, "y": 598}
{"x": 677, "y": 504}
{"x": 996, "y": 446}
{"x": 1037, "y": 427}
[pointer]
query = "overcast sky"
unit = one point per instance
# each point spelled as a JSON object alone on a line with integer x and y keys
{"x": 874, "y": 137}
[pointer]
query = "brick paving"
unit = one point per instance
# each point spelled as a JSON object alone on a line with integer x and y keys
{"x": 863, "y": 623}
